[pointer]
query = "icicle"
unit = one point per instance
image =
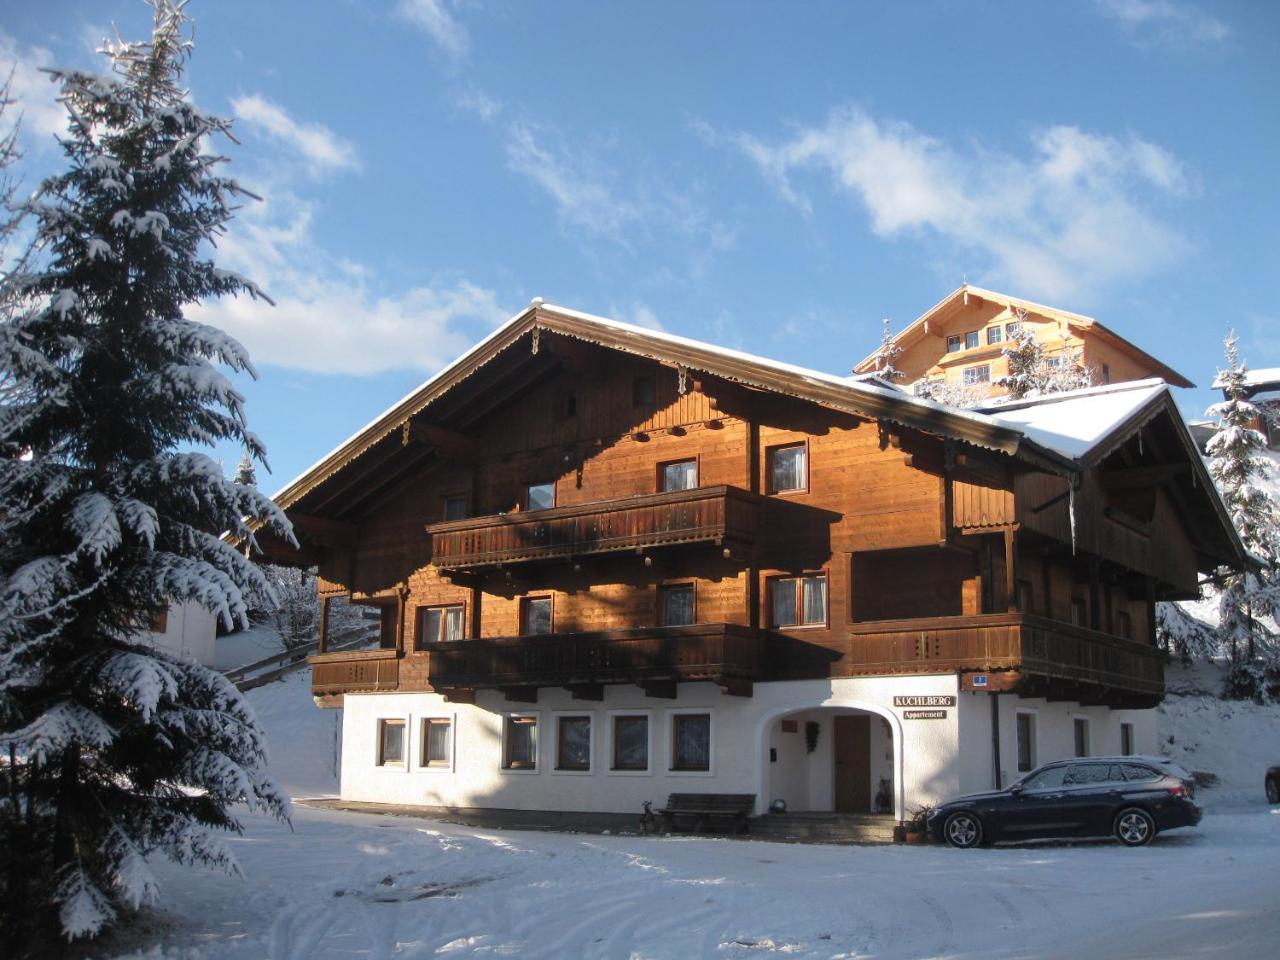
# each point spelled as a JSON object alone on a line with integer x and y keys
{"x": 1071, "y": 512}
{"x": 1140, "y": 451}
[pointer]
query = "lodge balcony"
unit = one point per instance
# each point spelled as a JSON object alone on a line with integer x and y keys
{"x": 354, "y": 671}
{"x": 721, "y": 515}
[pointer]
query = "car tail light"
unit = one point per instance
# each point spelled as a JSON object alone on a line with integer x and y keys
{"x": 1179, "y": 791}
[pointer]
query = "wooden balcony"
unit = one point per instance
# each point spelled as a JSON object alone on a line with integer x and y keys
{"x": 655, "y": 657}
{"x": 354, "y": 670}
{"x": 1018, "y": 652}
{"x": 720, "y": 515}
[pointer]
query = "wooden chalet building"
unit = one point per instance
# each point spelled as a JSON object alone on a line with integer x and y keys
{"x": 613, "y": 563}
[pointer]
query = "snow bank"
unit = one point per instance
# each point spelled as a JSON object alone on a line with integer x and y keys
{"x": 302, "y": 738}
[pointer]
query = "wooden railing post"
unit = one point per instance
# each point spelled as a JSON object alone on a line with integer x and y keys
{"x": 322, "y": 640}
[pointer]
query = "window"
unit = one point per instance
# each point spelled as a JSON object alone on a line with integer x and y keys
{"x": 954, "y": 344}
{"x": 1136, "y": 771}
{"x": 677, "y": 604}
{"x": 971, "y": 340}
{"x": 631, "y": 742}
{"x": 1026, "y": 741}
{"x": 520, "y": 747}
{"x": 788, "y": 468}
{"x": 455, "y": 508}
{"x": 1124, "y": 624}
{"x": 438, "y": 624}
{"x": 1126, "y": 744}
{"x": 159, "y": 621}
{"x": 677, "y": 475}
{"x": 1053, "y": 363}
{"x": 539, "y": 496}
{"x": 436, "y": 750}
{"x": 981, "y": 373}
{"x": 390, "y": 742}
{"x": 798, "y": 601}
{"x": 1079, "y": 612}
{"x": 1011, "y": 330}
{"x": 643, "y": 393}
{"x": 994, "y": 334}
{"x": 1106, "y": 373}
{"x": 1086, "y": 773}
{"x": 691, "y": 741}
{"x": 573, "y": 743}
{"x": 1081, "y": 728}
{"x": 535, "y": 616}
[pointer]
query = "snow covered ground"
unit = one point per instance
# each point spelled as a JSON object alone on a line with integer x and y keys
{"x": 346, "y": 885}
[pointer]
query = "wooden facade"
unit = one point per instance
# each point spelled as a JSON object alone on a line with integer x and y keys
{"x": 908, "y": 542}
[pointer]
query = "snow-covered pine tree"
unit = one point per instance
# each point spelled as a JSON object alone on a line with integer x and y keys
{"x": 1250, "y": 599}
{"x": 245, "y": 474}
{"x": 889, "y": 351}
{"x": 114, "y": 752}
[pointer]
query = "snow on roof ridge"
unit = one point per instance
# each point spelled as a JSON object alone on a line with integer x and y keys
{"x": 1120, "y": 386}
{"x": 1253, "y": 378}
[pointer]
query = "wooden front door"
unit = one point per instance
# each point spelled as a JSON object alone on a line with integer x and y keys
{"x": 853, "y": 763}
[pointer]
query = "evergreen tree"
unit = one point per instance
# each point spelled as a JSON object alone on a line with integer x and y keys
{"x": 115, "y": 752}
{"x": 245, "y": 475}
{"x": 889, "y": 352}
{"x": 1250, "y": 599}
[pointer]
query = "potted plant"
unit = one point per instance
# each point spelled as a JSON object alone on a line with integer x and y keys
{"x": 917, "y": 828}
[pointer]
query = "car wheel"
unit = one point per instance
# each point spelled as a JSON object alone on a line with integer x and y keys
{"x": 1134, "y": 827}
{"x": 1273, "y": 790}
{"x": 963, "y": 830}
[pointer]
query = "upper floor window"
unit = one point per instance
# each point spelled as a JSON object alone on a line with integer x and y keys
{"x": 678, "y": 475}
{"x": 455, "y": 508}
{"x": 971, "y": 339}
{"x": 437, "y": 624}
{"x": 788, "y": 467}
{"x": 539, "y": 496}
{"x": 955, "y": 344}
{"x": 535, "y": 616}
{"x": 677, "y": 604}
{"x": 979, "y": 373}
{"x": 798, "y": 601}
{"x": 994, "y": 334}
{"x": 643, "y": 392}
{"x": 1011, "y": 330}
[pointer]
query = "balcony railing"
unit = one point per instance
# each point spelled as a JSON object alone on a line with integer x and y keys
{"x": 707, "y": 514}
{"x": 354, "y": 670}
{"x": 717, "y": 652}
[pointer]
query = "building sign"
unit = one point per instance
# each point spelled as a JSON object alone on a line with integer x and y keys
{"x": 924, "y": 701}
{"x": 924, "y": 714}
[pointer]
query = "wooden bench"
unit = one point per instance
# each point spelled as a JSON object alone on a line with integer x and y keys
{"x": 702, "y": 809}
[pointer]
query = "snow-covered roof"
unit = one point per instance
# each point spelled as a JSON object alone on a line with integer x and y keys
{"x": 1262, "y": 377}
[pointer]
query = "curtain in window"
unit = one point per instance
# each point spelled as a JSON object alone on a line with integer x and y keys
{"x": 680, "y": 476}
{"x": 452, "y": 623}
{"x": 522, "y": 733}
{"x": 693, "y": 742}
{"x": 815, "y": 600}
{"x": 438, "y": 741}
{"x": 784, "y": 603}
{"x": 631, "y": 743}
{"x": 392, "y": 746}
{"x": 786, "y": 471}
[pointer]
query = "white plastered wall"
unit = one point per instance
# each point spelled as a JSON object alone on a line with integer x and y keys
{"x": 189, "y": 629}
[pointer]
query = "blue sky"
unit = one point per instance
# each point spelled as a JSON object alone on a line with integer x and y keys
{"x": 772, "y": 177}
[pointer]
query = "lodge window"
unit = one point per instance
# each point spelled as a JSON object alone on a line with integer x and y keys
{"x": 1080, "y": 728}
{"x": 955, "y": 344}
{"x": 1053, "y": 363}
{"x": 1124, "y": 624}
{"x": 539, "y": 496}
{"x": 436, "y": 747}
{"x": 159, "y": 621}
{"x": 994, "y": 334}
{"x": 631, "y": 742}
{"x": 677, "y": 475}
{"x": 1126, "y": 739}
{"x": 980, "y": 373}
{"x": 390, "y": 742}
{"x": 971, "y": 340}
{"x": 535, "y": 616}
{"x": 573, "y": 743}
{"x": 455, "y": 508}
{"x": 691, "y": 741}
{"x": 643, "y": 392}
{"x": 1106, "y": 373}
{"x": 438, "y": 624}
{"x": 520, "y": 743}
{"x": 677, "y": 604}
{"x": 1026, "y": 741}
{"x": 788, "y": 467}
{"x": 798, "y": 601}
{"x": 1011, "y": 330}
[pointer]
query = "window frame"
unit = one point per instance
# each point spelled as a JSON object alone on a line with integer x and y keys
{"x": 447, "y": 498}
{"x": 528, "y": 485}
{"x": 1080, "y": 736}
{"x": 524, "y": 604}
{"x": 158, "y": 621}
{"x": 768, "y": 467}
{"x": 972, "y": 335}
{"x": 771, "y": 584}
{"x": 508, "y": 721}
{"x": 1033, "y": 752}
{"x": 1012, "y": 329}
{"x": 672, "y": 724}
{"x": 955, "y": 342}
{"x": 419, "y": 614}
{"x": 975, "y": 381}
{"x": 616, "y": 771}
{"x": 380, "y": 728}
{"x": 424, "y": 724}
{"x": 662, "y": 601}
{"x": 557, "y": 718}
{"x": 660, "y": 473}
{"x": 995, "y": 334}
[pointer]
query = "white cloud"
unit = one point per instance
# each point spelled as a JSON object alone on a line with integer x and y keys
{"x": 322, "y": 150}
{"x": 438, "y": 20}
{"x": 43, "y": 117}
{"x": 1166, "y": 23}
{"x": 638, "y": 315}
{"x": 474, "y": 100}
{"x": 1072, "y": 215}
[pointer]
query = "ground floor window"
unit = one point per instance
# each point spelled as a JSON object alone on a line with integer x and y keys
{"x": 1026, "y": 742}
{"x": 691, "y": 741}
{"x": 1081, "y": 728}
{"x": 520, "y": 743}
{"x": 573, "y": 743}
{"x": 1126, "y": 739}
{"x": 390, "y": 742}
{"x": 631, "y": 742}
{"x": 436, "y": 750}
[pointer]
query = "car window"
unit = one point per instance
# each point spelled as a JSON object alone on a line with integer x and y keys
{"x": 1045, "y": 779}
{"x": 1084, "y": 773}
{"x": 1135, "y": 771}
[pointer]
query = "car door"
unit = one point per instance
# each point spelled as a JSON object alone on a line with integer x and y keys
{"x": 1092, "y": 790}
{"x": 1036, "y": 809}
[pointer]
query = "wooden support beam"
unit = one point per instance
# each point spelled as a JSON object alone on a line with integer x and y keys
{"x": 520, "y": 694}
{"x": 1010, "y": 573}
{"x": 736, "y": 687}
{"x": 458, "y": 695}
{"x": 456, "y": 446}
{"x": 663, "y": 689}
{"x": 1095, "y": 594}
{"x": 324, "y": 532}
{"x": 586, "y": 691}
{"x": 323, "y": 639}
{"x": 1148, "y": 476}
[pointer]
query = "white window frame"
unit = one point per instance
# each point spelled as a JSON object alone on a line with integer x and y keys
{"x": 556, "y": 716}
{"x": 539, "y": 754}
{"x": 452, "y": 765}
{"x": 669, "y": 735}
{"x": 648, "y": 715}
{"x": 1035, "y": 739}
